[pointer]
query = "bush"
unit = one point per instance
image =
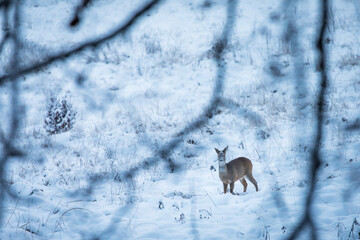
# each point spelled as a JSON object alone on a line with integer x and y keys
{"x": 60, "y": 116}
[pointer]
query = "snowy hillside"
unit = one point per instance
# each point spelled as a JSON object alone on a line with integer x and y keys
{"x": 134, "y": 94}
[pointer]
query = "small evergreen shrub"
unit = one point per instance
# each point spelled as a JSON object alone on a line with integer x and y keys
{"x": 60, "y": 116}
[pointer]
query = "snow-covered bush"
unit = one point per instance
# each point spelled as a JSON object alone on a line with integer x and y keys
{"x": 60, "y": 116}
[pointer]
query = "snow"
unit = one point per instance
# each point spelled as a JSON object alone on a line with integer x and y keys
{"x": 136, "y": 92}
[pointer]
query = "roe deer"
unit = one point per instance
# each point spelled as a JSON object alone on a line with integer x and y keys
{"x": 234, "y": 170}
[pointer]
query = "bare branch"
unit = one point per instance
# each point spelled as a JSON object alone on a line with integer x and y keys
{"x": 5, "y": 25}
{"x": 315, "y": 154}
{"x": 291, "y": 36}
{"x": 79, "y": 10}
{"x": 4, "y": 3}
{"x": 9, "y": 149}
{"x": 165, "y": 151}
{"x": 123, "y": 28}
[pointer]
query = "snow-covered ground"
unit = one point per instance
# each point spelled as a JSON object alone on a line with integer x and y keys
{"x": 137, "y": 91}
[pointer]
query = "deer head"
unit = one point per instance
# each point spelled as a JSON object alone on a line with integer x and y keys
{"x": 221, "y": 156}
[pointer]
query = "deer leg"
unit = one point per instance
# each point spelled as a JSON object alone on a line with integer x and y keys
{"x": 244, "y": 183}
{"x": 252, "y": 180}
{"x": 225, "y": 187}
{"x": 232, "y": 188}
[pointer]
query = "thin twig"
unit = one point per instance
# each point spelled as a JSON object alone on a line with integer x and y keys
{"x": 75, "y": 208}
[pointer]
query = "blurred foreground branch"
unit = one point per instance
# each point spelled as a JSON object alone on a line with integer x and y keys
{"x": 94, "y": 43}
{"x": 164, "y": 152}
{"x": 9, "y": 149}
{"x": 13, "y": 36}
{"x": 307, "y": 218}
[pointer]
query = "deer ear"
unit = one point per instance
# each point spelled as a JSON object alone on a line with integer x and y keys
{"x": 217, "y": 151}
{"x": 225, "y": 149}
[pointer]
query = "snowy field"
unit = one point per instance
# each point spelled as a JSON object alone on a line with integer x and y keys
{"x": 133, "y": 94}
